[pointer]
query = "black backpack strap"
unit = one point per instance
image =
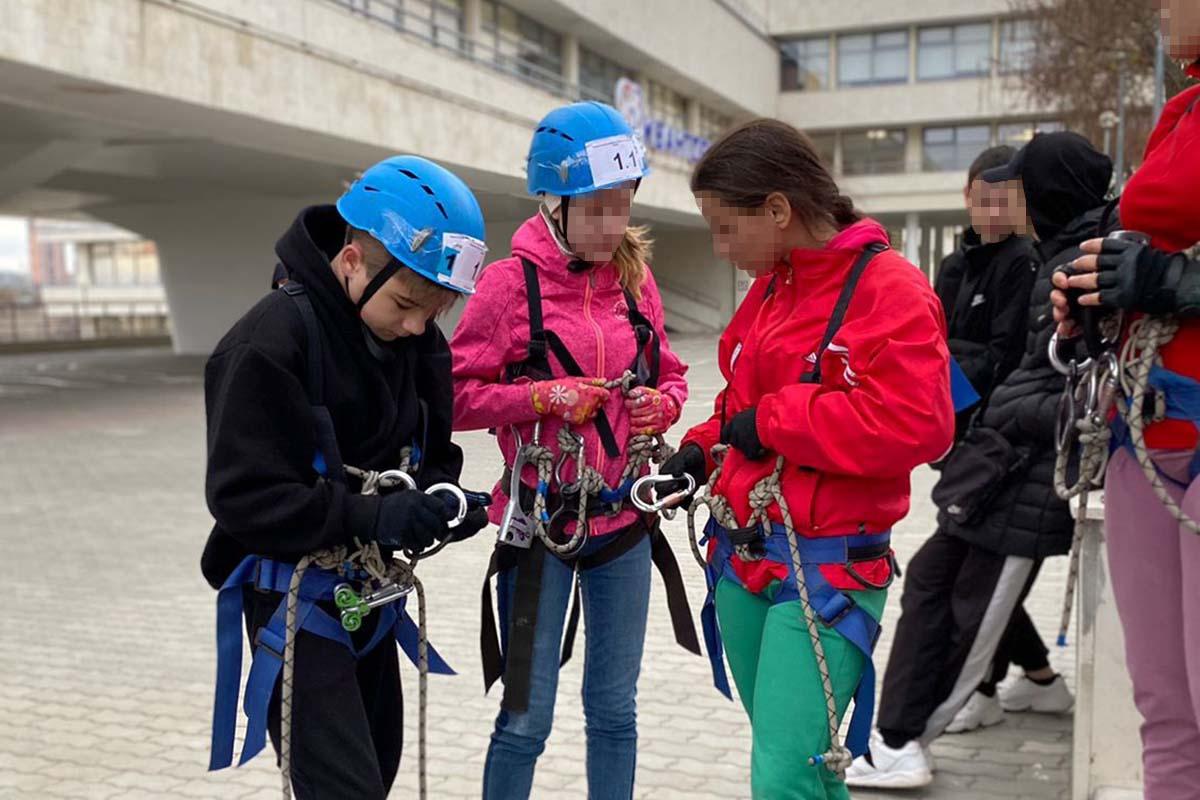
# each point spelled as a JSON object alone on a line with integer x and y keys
{"x": 843, "y": 303}
{"x": 541, "y": 343}
{"x": 328, "y": 460}
{"x": 648, "y": 361}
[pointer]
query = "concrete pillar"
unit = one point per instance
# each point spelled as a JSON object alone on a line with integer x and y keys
{"x": 912, "y": 237}
{"x": 472, "y": 24}
{"x": 216, "y": 256}
{"x": 570, "y": 63}
{"x": 1107, "y": 759}
{"x": 914, "y": 152}
{"x": 692, "y": 115}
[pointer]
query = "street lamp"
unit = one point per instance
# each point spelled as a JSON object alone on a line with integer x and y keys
{"x": 1108, "y": 121}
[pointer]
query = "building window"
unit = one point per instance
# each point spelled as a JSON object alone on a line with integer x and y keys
{"x": 804, "y": 64}
{"x": 522, "y": 45}
{"x": 1018, "y": 134}
{"x": 869, "y": 58}
{"x": 598, "y": 76}
{"x": 1016, "y": 45}
{"x": 873, "y": 152}
{"x": 713, "y": 123}
{"x": 953, "y": 149}
{"x": 826, "y": 147}
{"x": 667, "y": 105}
{"x": 954, "y": 51}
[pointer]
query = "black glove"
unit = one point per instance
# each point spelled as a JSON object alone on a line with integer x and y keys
{"x": 741, "y": 432}
{"x": 412, "y": 520}
{"x": 1136, "y": 277}
{"x": 688, "y": 461}
{"x": 475, "y": 521}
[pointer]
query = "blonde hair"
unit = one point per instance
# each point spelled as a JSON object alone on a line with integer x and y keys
{"x": 632, "y": 257}
{"x": 420, "y": 289}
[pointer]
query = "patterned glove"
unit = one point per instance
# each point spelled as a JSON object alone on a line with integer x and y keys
{"x": 650, "y": 411}
{"x": 575, "y": 400}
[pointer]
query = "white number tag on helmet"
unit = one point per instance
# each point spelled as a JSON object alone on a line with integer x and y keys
{"x": 464, "y": 259}
{"x": 615, "y": 159}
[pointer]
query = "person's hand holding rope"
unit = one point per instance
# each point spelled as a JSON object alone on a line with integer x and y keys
{"x": 650, "y": 411}
{"x": 574, "y": 400}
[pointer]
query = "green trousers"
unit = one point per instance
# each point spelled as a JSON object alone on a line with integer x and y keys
{"x": 775, "y": 670}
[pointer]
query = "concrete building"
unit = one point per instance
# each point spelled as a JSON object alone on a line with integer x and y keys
{"x": 205, "y": 124}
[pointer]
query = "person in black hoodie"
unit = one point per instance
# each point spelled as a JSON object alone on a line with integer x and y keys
{"x": 999, "y": 513}
{"x": 325, "y": 383}
{"x": 984, "y": 287}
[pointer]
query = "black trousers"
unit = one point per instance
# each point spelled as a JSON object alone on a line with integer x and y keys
{"x": 1022, "y": 645}
{"x": 347, "y": 714}
{"x": 956, "y": 608}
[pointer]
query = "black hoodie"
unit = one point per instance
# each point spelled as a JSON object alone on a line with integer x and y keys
{"x": 1027, "y": 518}
{"x": 262, "y": 489}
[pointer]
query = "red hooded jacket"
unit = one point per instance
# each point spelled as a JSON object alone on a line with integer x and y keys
{"x": 883, "y": 406}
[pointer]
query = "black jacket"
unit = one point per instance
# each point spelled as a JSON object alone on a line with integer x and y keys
{"x": 984, "y": 289}
{"x": 262, "y": 488}
{"x": 1027, "y": 517}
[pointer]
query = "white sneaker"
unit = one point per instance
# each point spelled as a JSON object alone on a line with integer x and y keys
{"x": 1025, "y": 695}
{"x": 906, "y": 768}
{"x": 980, "y": 711}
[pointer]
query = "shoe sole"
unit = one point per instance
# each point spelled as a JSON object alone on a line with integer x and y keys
{"x": 981, "y": 725}
{"x": 1033, "y": 709}
{"x": 905, "y": 780}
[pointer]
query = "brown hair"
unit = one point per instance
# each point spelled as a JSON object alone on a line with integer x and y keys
{"x": 764, "y": 156}
{"x": 631, "y": 257}
{"x": 419, "y": 289}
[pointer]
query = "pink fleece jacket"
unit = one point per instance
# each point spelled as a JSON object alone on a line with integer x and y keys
{"x": 589, "y": 313}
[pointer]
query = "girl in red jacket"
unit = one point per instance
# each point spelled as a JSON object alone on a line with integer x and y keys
{"x": 1153, "y": 557}
{"x": 837, "y": 383}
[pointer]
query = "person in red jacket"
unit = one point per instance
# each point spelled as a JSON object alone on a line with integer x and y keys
{"x": 837, "y": 384}
{"x": 1153, "y": 557}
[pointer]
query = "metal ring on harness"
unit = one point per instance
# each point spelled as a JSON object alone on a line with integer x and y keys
{"x": 1057, "y": 362}
{"x": 390, "y": 479}
{"x": 460, "y": 515}
{"x": 667, "y": 506}
{"x": 578, "y": 539}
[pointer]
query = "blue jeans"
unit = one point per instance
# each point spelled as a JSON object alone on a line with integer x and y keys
{"x": 616, "y": 597}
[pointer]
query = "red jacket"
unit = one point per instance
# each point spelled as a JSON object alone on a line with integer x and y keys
{"x": 883, "y": 406}
{"x": 1160, "y": 200}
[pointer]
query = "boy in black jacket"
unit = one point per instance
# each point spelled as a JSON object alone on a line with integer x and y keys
{"x": 984, "y": 287}
{"x": 326, "y": 383}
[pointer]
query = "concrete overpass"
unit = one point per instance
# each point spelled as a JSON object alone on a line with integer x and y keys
{"x": 206, "y": 124}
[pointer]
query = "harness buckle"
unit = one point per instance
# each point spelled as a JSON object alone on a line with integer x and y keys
{"x": 851, "y": 604}
{"x": 258, "y": 642}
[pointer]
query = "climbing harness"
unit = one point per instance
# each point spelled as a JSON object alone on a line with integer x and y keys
{"x": 820, "y": 601}
{"x": 325, "y": 576}
{"x": 534, "y": 521}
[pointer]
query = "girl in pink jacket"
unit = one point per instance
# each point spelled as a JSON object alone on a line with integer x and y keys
{"x": 543, "y": 344}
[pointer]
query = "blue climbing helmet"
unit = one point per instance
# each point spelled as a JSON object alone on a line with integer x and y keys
{"x": 583, "y": 147}
{"x": 424, "y": 215}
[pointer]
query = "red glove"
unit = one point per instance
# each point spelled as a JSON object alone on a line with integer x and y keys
{"x": 575, "y": 400}
{"x": 651, "y": 412}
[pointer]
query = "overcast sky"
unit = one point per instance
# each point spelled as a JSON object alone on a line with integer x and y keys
{"x": 14, "y": 250}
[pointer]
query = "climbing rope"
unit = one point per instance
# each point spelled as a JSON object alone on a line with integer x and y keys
{"x": 767, "y": 491}
{"x": 641, "y": 450}
{"x": 369, "y": 560}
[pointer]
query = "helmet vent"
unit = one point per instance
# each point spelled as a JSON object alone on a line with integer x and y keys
{"x": 441, "y": 209}
{"x": 412, "y": 175}
{"x": 428, "y": 190}
{"x": 556, "y": 132}
{"x": 369, "y": 188}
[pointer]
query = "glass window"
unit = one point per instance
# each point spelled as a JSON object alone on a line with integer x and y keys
{"x": 804, "y": 64}
{"x": 1018, "y": 134}
{"x": 667, "y": 105}
{"x": 826, "y": 146}
{"x": 954, "y": 51}
{"x": 873, "y": 152}
{"x": 1016, "y": 45}
{"x": 448, "y": 22}
{"x": 952, "y": 149}
{"x": 522, "y": 45}
{"x": 869, "y": 58}
{"x": 712, "y": 123}
{"x": 598, "y": 76}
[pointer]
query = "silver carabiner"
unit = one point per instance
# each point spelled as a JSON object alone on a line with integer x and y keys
{"x": 514, "y": 524}
{"x": 668, "y": 505}
{"x": 1056, "y": 361}
{"x": 390, "y": 479}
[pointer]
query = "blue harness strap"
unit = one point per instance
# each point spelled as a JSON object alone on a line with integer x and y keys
{"x": 273, "y": 576}
{"x": 1182, "y": 397}
{"x": 835, "y": 608}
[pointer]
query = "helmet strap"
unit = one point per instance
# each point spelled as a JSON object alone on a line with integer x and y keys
{"x": 376, "y": 283}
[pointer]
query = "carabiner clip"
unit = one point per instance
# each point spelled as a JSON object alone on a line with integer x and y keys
{"x": 667, "y": 506}
{"x": 390, "y": 479}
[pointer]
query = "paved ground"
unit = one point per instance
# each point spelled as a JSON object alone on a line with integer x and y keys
{"x": 107, "y": 662}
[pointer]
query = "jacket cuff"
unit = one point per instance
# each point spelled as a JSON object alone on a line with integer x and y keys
{"x": 361, "y": 516}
